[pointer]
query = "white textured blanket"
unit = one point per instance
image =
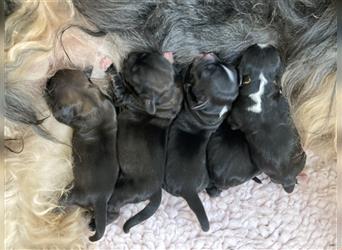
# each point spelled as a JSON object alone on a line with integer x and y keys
{"x": 250, "y": 216}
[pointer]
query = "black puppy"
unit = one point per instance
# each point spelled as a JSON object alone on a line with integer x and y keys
{"x": 76, "y": 102}
{"x": 210, "y": 89}
{"x": 151, "y": 101}
{"x": 228, "y": 160}
{"x": 262, "y": 113}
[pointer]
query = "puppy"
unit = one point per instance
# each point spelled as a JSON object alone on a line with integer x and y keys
{"x": 76, "y": 102}
{"x": 151, "y": 100}
{"x": 228, "y": 160}
{"x": 262, "y": 113}
{"x": 210, "y": 89}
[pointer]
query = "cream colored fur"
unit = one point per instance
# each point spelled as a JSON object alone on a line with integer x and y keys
{"x": 37, "y": 177}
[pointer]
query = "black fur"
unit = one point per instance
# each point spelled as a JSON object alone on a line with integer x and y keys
{"x": 272, "y": 137}
{"x": 76, "y": 102}
{"x": 151, "y": 101}
{"x": 208, "y": 90}
{"x": 228, "y": 160}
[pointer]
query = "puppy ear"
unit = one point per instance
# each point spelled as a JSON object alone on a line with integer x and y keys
{"x": 168, "y": 56}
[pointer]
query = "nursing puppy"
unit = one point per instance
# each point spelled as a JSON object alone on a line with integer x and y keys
{"x": 151, "y": 100}
{"x": 76, "y": 102}
{"x": 228, "y": 160}
{"x": 262, "y": 113}
{"x": 210, "y": 89}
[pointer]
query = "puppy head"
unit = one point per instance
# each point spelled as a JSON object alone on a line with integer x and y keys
{"x": 150, "y": 78}
{"x": 259, "y": 63}
{"x": 211, "y": 86}
{"x": 73, "y": 99}
{"x": 288, "y": 176}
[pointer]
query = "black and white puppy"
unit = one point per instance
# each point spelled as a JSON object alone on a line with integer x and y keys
{"x": 228, "y": 160}
{"x": 151, "y": 101}
{"x": 78, "y": 103}
{"x": 262, "y": 113}
{"x": 210, "y": 89}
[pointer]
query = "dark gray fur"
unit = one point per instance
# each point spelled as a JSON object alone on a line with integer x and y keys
{"x": 304, "y": 30}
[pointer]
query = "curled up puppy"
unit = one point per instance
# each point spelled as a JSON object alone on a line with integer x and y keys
{"x": 150, "y": 100}
{"x": 228, "y": 160}
{"x": 78, "y": 103}
{"x": 262, "y": 113}
{"x": 209, "y": 90}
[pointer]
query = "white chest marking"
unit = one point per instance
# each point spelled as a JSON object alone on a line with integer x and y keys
{"x": 229, "y": 73}
{"x": 256, "y": 97}
{"x": 223, "y": 111}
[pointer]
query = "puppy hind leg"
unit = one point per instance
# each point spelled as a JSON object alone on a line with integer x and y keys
{"x": 146, "y": 213}
{"x": 125, "y": 192}
{"x": 213, "y": 191}
{"x": 73, "y": 197}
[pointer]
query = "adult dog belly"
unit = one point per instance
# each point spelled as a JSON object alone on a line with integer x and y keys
{"x": 141, "y": 147}
{"x": 186, "y": 162}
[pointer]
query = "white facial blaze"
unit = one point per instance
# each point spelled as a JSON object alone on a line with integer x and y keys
{"x": 256, "y": 97}
{"x": 229, "y": 73}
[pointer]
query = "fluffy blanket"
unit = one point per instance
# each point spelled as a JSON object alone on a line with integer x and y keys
{"x": 250, "y": 216}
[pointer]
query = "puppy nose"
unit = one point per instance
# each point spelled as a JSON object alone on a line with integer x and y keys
{"x": 289, "y": 189}
{"x": 208, "y": 56}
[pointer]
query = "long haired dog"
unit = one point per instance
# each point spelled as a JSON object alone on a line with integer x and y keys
{"x": 151, "y": 101}
{"x": 263, "y": 115}
{"x": 304, "y": 30}
{"x": 229, "y": 161}
{"x": 76, "y": 102}
{"x": 211, "y": 88}
{"x": 307, "y": 29}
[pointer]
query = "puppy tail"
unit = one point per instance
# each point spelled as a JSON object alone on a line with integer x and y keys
{"x": 196, "y": 206}
{"x": 146, "y": 213}
{"x": 100, "y": 211}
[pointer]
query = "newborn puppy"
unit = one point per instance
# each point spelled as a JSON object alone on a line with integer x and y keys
{"x": 228, "y": 160}
{"x": 262, "y": 113}
{"x": 76, "y": 102}
{"x": 150, "y": 103}
{"x": 210, "y": 89}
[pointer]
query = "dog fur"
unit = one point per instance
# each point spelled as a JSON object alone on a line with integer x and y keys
{"x": 151, "y": 101}
{"x": 263, "y": 115}
{"x": 228, "y": 160}
{"x": 307, "y": 29}
{"x": 76, "y": 102}
{"x": 211, "y": 87}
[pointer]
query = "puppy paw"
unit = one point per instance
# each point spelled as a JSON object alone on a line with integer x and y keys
{"x": 213, "y": 192}
{"x": 105, "y": 63}
{"x": 303, "y": 178}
